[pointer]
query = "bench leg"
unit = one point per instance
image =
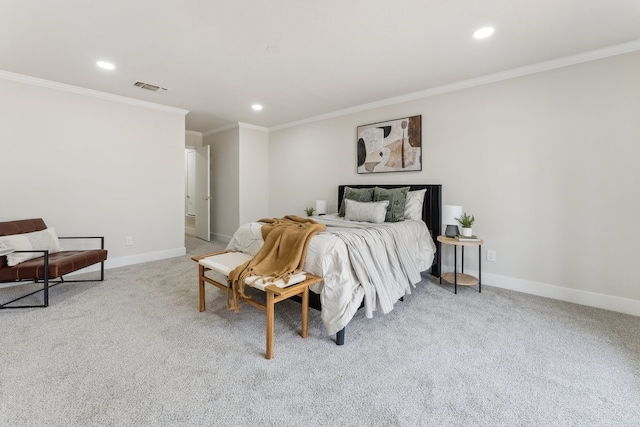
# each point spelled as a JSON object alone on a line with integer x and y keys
{"x": 201, "y": 286}
{"x": 305, "y": 312}
{"x": 270, "y": 316}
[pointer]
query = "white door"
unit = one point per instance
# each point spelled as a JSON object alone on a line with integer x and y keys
{"x": 202, "y": 194}
{"x": 190, "y": 166}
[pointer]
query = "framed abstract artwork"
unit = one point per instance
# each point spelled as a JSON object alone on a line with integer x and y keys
{"x": 392, "y": 146}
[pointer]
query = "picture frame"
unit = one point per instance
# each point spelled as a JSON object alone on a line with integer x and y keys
{"x": 390, "y": 146}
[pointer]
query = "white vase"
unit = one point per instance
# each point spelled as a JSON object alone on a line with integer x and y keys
{"x": 467, "y": 232}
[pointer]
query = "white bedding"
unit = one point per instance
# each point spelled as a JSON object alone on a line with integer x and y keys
{"x": 328, "y": 256}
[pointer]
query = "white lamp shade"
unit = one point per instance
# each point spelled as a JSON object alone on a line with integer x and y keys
{"x": 321, "y": 207}
{"x": 450, "y": 213}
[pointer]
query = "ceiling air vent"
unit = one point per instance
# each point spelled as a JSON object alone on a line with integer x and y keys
{"x": 152, "y": 88}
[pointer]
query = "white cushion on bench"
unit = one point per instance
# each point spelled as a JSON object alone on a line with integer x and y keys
{"x": 227, "y": 262}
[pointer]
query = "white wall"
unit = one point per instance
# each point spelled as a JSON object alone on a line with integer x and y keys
{"x": 190, "y": 184}
{"x": 225, "y": 182}
{"x": 547, "y": 163}
{"x": 193, "y": 139}
{"x": 239, "y": 177}
{"x": 253, "y": 173}
{"x": 92, "y": 165}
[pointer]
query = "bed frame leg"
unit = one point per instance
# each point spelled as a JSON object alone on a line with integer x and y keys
{"x": 340, "y": 337}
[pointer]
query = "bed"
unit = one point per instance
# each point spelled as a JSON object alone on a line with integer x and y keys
{"x": 339, "y": 257}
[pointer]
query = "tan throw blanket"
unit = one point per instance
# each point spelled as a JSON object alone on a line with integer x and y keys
{"x": 282, "y": 255}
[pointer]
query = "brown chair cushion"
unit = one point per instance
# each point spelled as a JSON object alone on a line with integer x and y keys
{"x": 60, "y": 263}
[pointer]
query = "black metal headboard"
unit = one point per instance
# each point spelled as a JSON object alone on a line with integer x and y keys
{"x": 431, "y": 211}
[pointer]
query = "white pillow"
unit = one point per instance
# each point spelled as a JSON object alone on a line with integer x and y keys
{"x": 365, "y": 211}
{"x": 415, "y": 200}
{"x": 40, "y": 240}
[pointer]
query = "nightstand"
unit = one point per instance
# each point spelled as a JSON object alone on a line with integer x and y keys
{"x": 460, "y": 278}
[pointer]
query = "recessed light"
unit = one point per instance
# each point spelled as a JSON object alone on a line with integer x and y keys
{"x": 106, "y": 65}
{"x": 483, "y": 33}
{"x": 256, "y": 107}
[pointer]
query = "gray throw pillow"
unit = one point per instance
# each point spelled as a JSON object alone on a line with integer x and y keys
{"x": 397, "y": 198}
{"x": 357, "y": 194}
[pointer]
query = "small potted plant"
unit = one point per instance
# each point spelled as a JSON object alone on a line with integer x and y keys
{"x": 309, "y": 211}
{"x": 466, "y": 221}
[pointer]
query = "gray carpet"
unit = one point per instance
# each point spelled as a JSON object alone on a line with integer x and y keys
{"x": 134, "y": 350}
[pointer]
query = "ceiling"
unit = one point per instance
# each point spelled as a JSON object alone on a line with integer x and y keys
{"x": 298, "y": 58}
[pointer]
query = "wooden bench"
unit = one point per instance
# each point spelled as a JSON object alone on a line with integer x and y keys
{"x": 224, "y": 262}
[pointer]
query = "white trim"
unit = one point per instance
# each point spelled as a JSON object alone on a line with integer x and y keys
{"x": 135, "y": 259}
{"x": 193, "y": 133}
{"x": 89, "y": 92}
{"x": 120, "y": 262}
{"x": 220, "y": 238}
{"x": 145, "y": 257}
{"x": 561, "y": 293}
{"x": 593, "y": 55}
{"x": 254, "y": 127}
{"x": 222, "y": 129}
{"x": 234, "y": 126}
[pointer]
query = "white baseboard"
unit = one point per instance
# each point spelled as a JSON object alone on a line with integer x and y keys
{"x": 135, "y": 259}
{"x": 146, "y": 257}
{"x": 220, "y": 238}
{"x": 576, "y": 296}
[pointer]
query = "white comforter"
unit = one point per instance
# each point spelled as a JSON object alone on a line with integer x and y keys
{"x": 375, "y": 262}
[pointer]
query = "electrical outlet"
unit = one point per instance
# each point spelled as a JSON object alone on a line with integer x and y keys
{"x": 491, "y": 255}
{"x": 129, "y": 241}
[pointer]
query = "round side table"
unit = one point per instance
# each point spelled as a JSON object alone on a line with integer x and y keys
{"x": 462, "y": 279}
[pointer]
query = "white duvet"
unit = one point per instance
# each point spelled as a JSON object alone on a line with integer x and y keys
{"x": 377, "y": 263}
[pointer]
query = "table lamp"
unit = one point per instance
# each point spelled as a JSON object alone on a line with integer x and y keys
{"x": 449, "y": 222}
{"x": 321, "y": 207}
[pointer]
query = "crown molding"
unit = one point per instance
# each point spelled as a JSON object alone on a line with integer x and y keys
{"x": 619, "y": 49}
{"x": 238, "y": 125}
{"x": 89, "y": 92}
{"x": 253, "y": 127}
{"x": 222, "y": 129}
{"x": 192, "y": 132}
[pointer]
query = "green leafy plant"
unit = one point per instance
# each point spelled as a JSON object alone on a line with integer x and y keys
{"x": 309, "y": 211}
{"x": 465, "y": 220}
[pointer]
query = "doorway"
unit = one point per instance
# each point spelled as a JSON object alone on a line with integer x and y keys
{"x": 197, "y": 192}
